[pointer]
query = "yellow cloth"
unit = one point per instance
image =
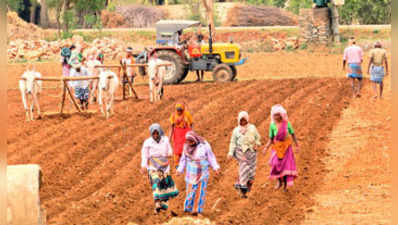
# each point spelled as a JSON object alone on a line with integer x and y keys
{"x": 378, "y": 55}
{"x": 281, "y": 147}
{"x": 181, "y": 121}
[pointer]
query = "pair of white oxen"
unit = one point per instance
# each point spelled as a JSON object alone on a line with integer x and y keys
{"x": 30, "y": 86}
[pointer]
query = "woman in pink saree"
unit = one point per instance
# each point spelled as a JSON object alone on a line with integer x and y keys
{"x": 282, "y": 162}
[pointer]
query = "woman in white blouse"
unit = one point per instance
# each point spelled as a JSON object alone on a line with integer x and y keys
{"x": 156, "y": 152}
{"x": 243, "y": 146}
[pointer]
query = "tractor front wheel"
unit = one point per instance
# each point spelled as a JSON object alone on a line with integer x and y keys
{"x": 223, "y": 73}
{"x": 234, "y": 72}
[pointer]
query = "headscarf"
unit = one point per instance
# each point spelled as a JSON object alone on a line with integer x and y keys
{"x": 129, "y": 49}
{"x": 180, "y": 105}
{"x": 378, "y": 44}
{"x": 156, "y": 127}
{"x": 184, "y": 120}
{"x": 278, "y": 109}
{"x": 192, "y": 136}
{"x": 243, "y": 129}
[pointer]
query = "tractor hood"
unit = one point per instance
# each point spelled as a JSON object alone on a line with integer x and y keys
{"x": 221, "y": 47}
{"x": 229, "y": 52}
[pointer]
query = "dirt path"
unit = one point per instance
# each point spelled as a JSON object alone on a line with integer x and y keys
{"x": 357, "y": 187}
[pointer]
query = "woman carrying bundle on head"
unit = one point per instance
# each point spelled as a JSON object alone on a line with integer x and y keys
{"x": 243, "y": 146}
{"x": 181, "y": 123}
{"x": 155, "y": 155}
{"x": 195, "y": 160}
{"x": 282, "y": 162}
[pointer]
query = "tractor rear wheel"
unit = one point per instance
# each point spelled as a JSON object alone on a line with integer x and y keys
{"x": 176, "y": 72}
{"x": 184, "y": 74}
{"x": 223, "y": 73}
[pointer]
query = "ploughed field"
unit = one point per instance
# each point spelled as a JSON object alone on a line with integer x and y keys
{"x": 91, "y": 165}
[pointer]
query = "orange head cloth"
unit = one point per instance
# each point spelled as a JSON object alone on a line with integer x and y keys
{"x": 180, "y": 105}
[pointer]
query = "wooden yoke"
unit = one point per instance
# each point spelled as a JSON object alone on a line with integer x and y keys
{"x": 67, "y": 88}
{"x": 123, "y": 75}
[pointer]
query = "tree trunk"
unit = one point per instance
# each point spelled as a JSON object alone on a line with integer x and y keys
{"x": 58, "y": 17}
{"x": 335, "y": 24}
{"x": 208, "y": 4}
{"x": 44, "y": 21}
{"x": 65, "y": 21}
{"x": 32, "y": 12}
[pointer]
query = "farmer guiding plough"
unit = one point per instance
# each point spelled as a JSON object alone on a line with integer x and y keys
{"x": 128, "y": 71}
{"x": 80, "y": 78}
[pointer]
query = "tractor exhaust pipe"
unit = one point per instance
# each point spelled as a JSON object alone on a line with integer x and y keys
{"x": 210, "y": 40}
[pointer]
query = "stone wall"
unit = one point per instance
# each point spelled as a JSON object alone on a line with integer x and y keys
{"x": 315, "y": 25}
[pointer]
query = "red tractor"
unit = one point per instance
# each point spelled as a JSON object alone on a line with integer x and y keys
{"x": 220, "y": 58}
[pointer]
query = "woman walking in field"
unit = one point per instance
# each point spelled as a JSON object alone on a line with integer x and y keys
{"x": 196, "y": 159}
{"x": 243, "y": 146}
{"x": 283, "y": 164}
{"x": 181, "y": 123}
{"x": 155, "y": 155}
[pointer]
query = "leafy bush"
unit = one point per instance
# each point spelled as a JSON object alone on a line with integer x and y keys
{"x": 303, "y": 46}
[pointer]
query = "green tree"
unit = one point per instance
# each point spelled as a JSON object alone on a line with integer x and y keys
{"x": 296, "y": 5}
{"x": 90, "y": 10}
{"x": 16, "y": 5}
{"x": 366, "y": 11}
{"x": 71, "y": 14}
{"x": 279, "y": 3}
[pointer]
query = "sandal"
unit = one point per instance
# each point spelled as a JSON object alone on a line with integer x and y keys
{"x": 158, "y": 207}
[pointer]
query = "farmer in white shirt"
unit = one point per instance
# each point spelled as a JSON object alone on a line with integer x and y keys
{"x": 81, "y": 86}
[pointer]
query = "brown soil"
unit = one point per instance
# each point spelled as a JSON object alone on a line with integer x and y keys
{"x": 248, "y": 15}
{"x": 357, "y": 187}
{"x": 90, "y": 165}
{"x": 19, "y": 29}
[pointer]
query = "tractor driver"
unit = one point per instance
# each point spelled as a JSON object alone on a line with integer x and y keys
{"x": 321, "y": 3}
{"x": 129, "y": 73}
{"x": 177, "y": 39}
{"x": 179, "y": 33}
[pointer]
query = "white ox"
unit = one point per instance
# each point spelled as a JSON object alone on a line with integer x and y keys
{"x": 107, "y": 86}
{"x": 30, "y": 90}
{"x": 157, "y": 72}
